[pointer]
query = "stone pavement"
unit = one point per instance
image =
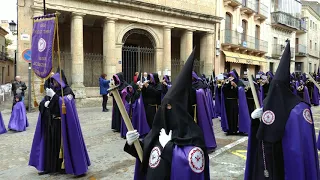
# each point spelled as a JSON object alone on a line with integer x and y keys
{"x": 105, "y": 149}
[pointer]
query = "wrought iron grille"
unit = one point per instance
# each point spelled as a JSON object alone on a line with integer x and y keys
{"x": 198, "y": 66}
{"x": 93, "y": 66}
{"x": 176, "y": 66}
{"x": 136, "y": 59}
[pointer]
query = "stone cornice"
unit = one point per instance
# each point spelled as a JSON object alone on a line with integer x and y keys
{"x": 162, "y": 9}
{"x": 3, "y": 32}
{"x": 311, "y": 11}
{"x": 128, "y": 17}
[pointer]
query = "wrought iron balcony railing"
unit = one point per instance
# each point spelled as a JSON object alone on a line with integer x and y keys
{"x": 261, "y": 9}
{"x": 285, "y": 19}
{"x": 3, "y": 56}
{"x": 240, "y": 39}
{"x": 277, "y": 50}
{"x": 248, "y": 4}
{"x": 303, "y": 24}
{"x": 301, "y": 49}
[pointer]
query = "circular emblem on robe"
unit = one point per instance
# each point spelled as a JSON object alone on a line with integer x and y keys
{"x": 307, "y": 115}
{"x": 41, "y": 45}
{"x": 154, "y": 159}
{"x": 196, "y": 159}
{"x": 268, "y": 117}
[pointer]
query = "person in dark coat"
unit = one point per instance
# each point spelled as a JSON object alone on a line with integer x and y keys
{"x": 104, "y": 86}
{"x": 116, "y": 115}
{"x": 179, "y": 153}
{"x": 283, "y": 145}
{"x": 151, "y": 94}
{"x": 58, "y": 145}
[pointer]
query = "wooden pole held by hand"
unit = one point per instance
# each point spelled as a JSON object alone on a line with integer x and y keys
{"x": 253, "y": 90}
{"x": 114, "y": 90}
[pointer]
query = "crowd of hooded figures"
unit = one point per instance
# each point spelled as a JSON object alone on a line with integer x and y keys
{"x": 173, "y": 122}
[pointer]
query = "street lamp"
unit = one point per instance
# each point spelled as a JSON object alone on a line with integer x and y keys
{"x": 13, "y": 27}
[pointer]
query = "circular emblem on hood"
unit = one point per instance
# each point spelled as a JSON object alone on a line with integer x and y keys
{"x": 154, "y": 159}
{"x": 268, "y": 117}
{"x": 196, "y": 160}
{"x": 307, "y": 116}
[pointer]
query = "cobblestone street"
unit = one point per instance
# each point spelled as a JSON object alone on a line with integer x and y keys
{"x": 105, "y": 149}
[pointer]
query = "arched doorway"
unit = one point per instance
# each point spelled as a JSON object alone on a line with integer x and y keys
{"x": 138, "y": 53}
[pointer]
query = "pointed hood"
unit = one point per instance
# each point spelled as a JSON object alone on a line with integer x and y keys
{"x": 173, "y": 115}
{"x": 64, "y": 78}
{"x": 279, "y": 102}
{"x": 56, "y": 77}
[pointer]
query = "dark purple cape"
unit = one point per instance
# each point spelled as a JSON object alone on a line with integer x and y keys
{"x": 300, "y": 154}
{"x": 244, "y": 117}
{"x": 210, "y": 102}
{"x": 180, "y": 168}
{"x": 18, "y": 120}
{"x": 139, "y": 119}
{"x": 205, "y": 119}
{"x": 306, "y": 95}
{"x": 76, "y": 159}
{"x": 217, "y": 104}
{"x": 315, "y": 96}
{"x": 2, "y": 126}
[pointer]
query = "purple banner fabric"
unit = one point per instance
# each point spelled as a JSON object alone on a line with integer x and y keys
{"x": 41, "y": 47}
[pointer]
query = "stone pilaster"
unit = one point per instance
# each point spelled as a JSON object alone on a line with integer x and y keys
{"x": 109, "y": 41}
{"x": 166, "y": 67}
{"x": 209, "y": 59}
{"x": 77, "y": 55}
{"x": 186, "y": 44}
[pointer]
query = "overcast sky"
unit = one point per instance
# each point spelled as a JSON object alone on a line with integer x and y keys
{"x": 8, "y": 10}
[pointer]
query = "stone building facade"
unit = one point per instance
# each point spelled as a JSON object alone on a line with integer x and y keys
{"x": 241, "y": 38}
{"x": 284, "y": 23}
{"x": 6, "y": 64}
{"x": 124, "y": 36}
{"x": 307, "y": 42}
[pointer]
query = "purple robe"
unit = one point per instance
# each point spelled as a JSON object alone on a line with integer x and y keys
{"x": 300, "y": 154}
{"x": 2, "y": 126}
{"x": 210, "y": 102}
{"x": 180, "y": 168}
{"x": 244, "y": 117}
{"x": 205, "y": 120}
{"x": 217, "y": 99}
{"x": 315, "y": 96}
{"x": 261, "y": 95}
{"x": 18, "y": 120}
{"x": 139, "y": 119}
{"x": 306, "y": 96}
{"x": 76, "y": 159}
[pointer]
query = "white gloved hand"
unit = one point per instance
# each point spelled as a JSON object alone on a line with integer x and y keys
{"x": 132, "y": 136}
{"x": 50, "y": 92}
{"x": 164, "y": 138}
{"x": 70, "y": 97}
{"x": 46, "y": 104}
{"x": 257, "y": 113}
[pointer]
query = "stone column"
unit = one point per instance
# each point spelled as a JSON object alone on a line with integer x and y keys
{"x": 109, "y": 42}
{"x": 166, "y": 67}
{"x": 186, "y": 44}
{"x": 77, "y": 55}
{"x": 209, "y": 60}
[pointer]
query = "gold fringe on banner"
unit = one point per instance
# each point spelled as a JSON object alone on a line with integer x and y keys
{"x": 35, "y": 103}
{"x": 42, "y": 86}
{"x": 63, "y": 107}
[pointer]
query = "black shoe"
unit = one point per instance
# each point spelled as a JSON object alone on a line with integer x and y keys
{"x": 105, "y": 110}
{"x": 43, "y": 173}
{"x": 63, "y": 171}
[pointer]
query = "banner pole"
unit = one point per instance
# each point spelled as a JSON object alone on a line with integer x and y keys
{"x": 29, "y": 87}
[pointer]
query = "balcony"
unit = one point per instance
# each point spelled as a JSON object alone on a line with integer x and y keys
{"x": 303, "y": 26}
{"x": 261, "y": 11}
{"x": 277, "y": 50}
{"x": 285, "y": 21}
{"x": 232, "y": 3}
{"x": 238, "y": 40}
{"x": 248, "y": 7}
{"x": 301, "y": 50}
{"x": 3, "y": 56}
